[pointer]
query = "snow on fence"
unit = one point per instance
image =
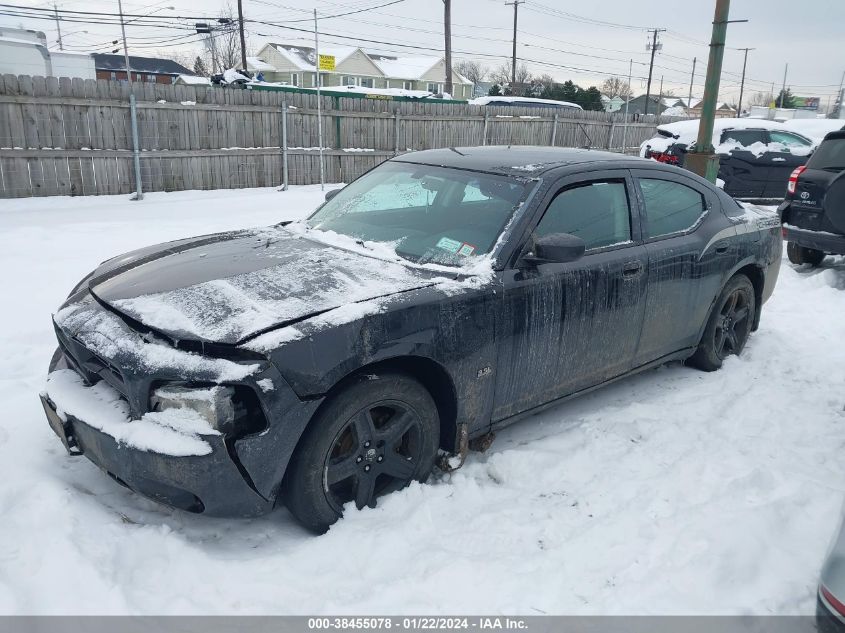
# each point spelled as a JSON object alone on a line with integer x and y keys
{"x": 73, "y": 137}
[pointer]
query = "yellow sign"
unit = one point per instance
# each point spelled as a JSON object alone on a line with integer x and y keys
{"x": 326, "y": 62}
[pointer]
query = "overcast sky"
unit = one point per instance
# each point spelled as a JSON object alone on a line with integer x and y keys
{"x": 582, "y": 41}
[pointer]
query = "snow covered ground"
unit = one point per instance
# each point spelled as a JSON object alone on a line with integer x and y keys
{"x": 671, "y": 492}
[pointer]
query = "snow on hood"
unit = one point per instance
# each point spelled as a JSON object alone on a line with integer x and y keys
{"x": 229, "y": 289}
{"x": 105, "y": 334}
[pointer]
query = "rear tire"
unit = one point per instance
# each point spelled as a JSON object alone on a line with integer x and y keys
{"x": 374, "y": 437}
{"x": 799, "y": 255}
{"x": 728, "y": 326}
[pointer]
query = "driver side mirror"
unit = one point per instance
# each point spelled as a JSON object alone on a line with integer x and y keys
{"x": 556, "y": 248}
{"x": 331, "y": 194}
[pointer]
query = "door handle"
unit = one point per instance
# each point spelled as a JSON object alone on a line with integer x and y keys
{"x": 632, "y": 269}
{"x": 721, "y": 247}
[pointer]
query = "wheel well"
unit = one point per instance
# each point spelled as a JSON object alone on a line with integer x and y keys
{"x": 756, "y": 276}
{"x": 431, "y": 375}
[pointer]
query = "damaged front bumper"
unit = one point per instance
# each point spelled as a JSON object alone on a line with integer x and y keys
{"x": 211, "y": 484}
{"x": 236, "y": 474}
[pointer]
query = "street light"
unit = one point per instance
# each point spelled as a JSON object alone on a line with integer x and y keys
{"x": 136, "y": 154}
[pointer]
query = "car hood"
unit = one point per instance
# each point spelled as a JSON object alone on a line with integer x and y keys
{"x": 230, "y": 287}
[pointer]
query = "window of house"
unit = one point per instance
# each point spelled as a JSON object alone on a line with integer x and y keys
{"x": 314, "y": 80}
{"x": 294, "y": 79}
{"x": 597, "y": 212}
{"x": 670, "y": 207}
{"x": 113, "y": 76}
{"x": 346, "y": 80}
{"x": 366, "y": 82}
{"x": 408, "y": 85}
{"x": 434, "y": 88}
{"x": 151, "y": 79}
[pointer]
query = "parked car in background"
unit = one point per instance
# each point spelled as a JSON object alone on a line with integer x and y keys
{"x": 813, "y": 211}
{"x": 756, "y": 156}
{"x": 530, "y": 102}
{"x": 442, "y": 295}
{"x": 814, "y": 129}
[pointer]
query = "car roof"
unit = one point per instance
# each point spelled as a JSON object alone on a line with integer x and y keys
{"x": 520, "y": 160}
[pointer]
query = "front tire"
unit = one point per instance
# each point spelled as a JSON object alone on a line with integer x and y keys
{"x": 802, "y": 255}
{"x": 728, "y": 326}
{"x": 374, "y": 437}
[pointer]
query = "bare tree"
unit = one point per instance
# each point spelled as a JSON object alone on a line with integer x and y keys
{"x": 502, "y": 74}
{"x": 761, "y": 99}
{"x": 472, "y": 70}
{"x": 224, "y": 44}
{"x": 615, "y": 87}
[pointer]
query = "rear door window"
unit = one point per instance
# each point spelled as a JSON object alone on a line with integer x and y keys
{"x": 670, "y": 207}
{"x": 746, "y": 138}
{"x": 790, "y": 140}
{"x": 597, "y": 212}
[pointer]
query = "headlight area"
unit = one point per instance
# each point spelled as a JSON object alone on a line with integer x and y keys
{"x": 232, "y": 410}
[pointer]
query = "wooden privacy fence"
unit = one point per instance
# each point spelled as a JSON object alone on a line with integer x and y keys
{"x": 73, "y": 137}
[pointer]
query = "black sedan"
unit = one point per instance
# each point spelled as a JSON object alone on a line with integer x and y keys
{"x": 442, "y": 295}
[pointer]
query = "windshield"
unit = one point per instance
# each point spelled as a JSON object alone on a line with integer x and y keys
{"x": 829, "y": 155}
{"x": 428, "y": 214}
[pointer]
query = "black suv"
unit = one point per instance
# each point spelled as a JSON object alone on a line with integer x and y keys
{"x": 813, "y": 211}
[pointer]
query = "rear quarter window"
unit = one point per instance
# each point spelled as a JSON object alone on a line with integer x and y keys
{"x": 829, "y": 155}
{"x": 670, "y": 206}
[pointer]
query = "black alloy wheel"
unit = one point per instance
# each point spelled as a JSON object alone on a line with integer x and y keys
{"x": 376, "y": 452}
{"x": 728, "y": 326}
{"x": 376, "y": 434}
{"x": 733, "y": 325}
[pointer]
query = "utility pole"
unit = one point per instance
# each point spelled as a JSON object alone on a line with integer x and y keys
{"x": 660, "y": 99}
{"x": 515, "y": 5}
{"x": 783, "y": 90}
{"x": 627, "y": 101}
{"x": 742, "y": 83}
{"x": 58, "y": 25}
{"x": 241, "y": 27}
{"x": 838, "y": 103}
{"x": 701, "y": 158}
{"x": 654, "y": 47}
{"x": 319, "y": 100}
{"x": 691, "y": 80}
{"x": 133, "y": 111}
{"x": 447, "y": 30}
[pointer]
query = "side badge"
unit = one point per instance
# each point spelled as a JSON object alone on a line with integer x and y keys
{"x": 484, "y": 371}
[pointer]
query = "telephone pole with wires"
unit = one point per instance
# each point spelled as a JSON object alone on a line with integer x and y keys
{"x": 447, "y": 31}
{"x": 515, "y": 4}
{"x": 654, "y": 46}
{"x": 241, "y": 27}
{"x": 58, "y": 25}
{"x": 691, "y": 80}
{"x": 742, "y": 83}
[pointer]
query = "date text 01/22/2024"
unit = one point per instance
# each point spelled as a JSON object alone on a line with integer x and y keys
{"x": 418, "y": 623}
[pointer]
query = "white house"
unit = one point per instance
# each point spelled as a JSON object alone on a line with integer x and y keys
{"x": 294, "y": 63}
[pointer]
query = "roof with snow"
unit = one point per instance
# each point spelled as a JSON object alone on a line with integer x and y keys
{"x": 305, "y": 57}
{"x": 154, "y": 65}
{"x": 404, "y": 67}
{"x": 256, "y": 63}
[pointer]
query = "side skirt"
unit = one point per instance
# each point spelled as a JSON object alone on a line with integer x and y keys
{"x": 500, "y": 424}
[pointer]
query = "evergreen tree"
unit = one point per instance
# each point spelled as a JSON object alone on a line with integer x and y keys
{"x": 199, "y": 67}
{"x": 590, "y": 99}
{"x": 785, "y": 99}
